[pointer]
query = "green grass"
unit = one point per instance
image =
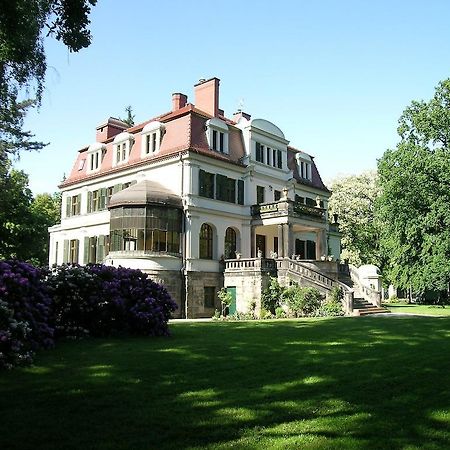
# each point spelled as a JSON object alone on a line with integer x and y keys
{"x": 405, "y": 308}
{"x": 362, "y": 383}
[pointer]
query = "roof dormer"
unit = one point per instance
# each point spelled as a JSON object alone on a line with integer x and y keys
{"x": 217, "y": 135}
{"x": 122, "y": 147}
{"x": 151, "y": 137}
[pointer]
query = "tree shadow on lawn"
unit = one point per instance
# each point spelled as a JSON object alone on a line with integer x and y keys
{"x": 377, "y": 382}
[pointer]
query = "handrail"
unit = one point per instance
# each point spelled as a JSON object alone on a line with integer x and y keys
{"x": 371, "y": 295}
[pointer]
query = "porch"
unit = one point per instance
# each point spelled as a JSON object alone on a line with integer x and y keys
{"x": 285, "y": 228}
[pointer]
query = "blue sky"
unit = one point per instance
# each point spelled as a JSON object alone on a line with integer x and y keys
{"x": 334, "y": 75}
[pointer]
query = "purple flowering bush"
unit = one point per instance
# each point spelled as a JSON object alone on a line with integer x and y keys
{"x": 100, "y": 300}
{"x": 24, "y": 313}
{"x": 75, "y": 301}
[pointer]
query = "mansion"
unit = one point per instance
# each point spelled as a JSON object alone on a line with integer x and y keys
{"x": 192, "y": 197}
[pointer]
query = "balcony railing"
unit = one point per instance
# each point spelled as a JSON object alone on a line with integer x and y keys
{"x": 250, "y": 265}
{"x": 288, "y": 208}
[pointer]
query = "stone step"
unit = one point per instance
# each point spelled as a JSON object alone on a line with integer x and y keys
{"x": 367, "y": 311}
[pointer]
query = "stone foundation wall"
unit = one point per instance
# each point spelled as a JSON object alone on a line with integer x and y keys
{"x": 196, "y": 283}
{"x": 172, "y": 280}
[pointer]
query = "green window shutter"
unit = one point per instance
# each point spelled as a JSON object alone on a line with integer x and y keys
{"x": 66, "y": 251}
{"x": 117, "y": 188}
{"x": 201, "y": 183}
{"x": 89, "y": 202}
{"x": 241, "y": 192}
{"x": 133, "y": 183}
{"x": 79, "y": 204}
{"x": 100, "y": 249}
{"x": 77, "y": 252}
{"x": 68, "y": 206}
{"x": 102, "y": 198}
{"x": 86, "y": 250}
{"x": 221, "y": 181}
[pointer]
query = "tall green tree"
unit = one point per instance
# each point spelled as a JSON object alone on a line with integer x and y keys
{"x": 415, "y": 196}
{"x": 353, "y": 200}
{"x": 24, "y": 220}
{"x": 23, "y": 26}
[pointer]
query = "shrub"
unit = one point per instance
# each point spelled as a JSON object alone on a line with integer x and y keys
{"x": 226, "y": 299}
{"x": 302, "y": 301}
{"x": 24, "y": 313}
{"x": 271, "y": 296}
{"x": 103, "y": 300}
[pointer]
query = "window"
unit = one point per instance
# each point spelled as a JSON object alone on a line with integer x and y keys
{"x": 230, "y": 244}
{"x": 71, "y": 251}
{"x": 73, "y": 205}
{"x": 95, "y": 249}
{"x": 268, "y": 152}
{"x": 217, "y": 135}
{"x": 220, "y": 187}
{"x": 304, "y": 165}
{"x": 259, "y": 194}
{"x": 206, "y": 184}
{"x": 225, "y": 189}
{"x": 279, "y": 159}
{"x": 276, "y": 195}
{"x": 209, "y": 296}
{"x": 259, "y": 152}
{"x": 299, "y": 199}
{"x": 206, "y": 242}
{"x": 97, "y": 200}
{"x": 145, "y": 229}
{"x": 122, "y": 145}
{"x": 95, "y": 154}
{"x": 240, "y": 192}
{"x": 152, "y": 135}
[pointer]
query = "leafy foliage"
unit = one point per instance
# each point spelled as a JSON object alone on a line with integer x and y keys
{"x": 271, "y": 296}
{"x": 74, "y": 301}
{"x": 100, "y": 300}
{"x": 413, "y": 206}
{"x": 23, "y": 24}
{"x": 24, "y": 220}
{"x": 24, "y": 313}
{"x": 353, "y": 200}
{"x": 302, "y": 301}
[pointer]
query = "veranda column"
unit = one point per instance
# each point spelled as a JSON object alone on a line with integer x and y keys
{"x": 280, "y": 249}
{"x": 287, "y": 239}
{"x": 321, "y": 244}
{"x": 252, "y": 241}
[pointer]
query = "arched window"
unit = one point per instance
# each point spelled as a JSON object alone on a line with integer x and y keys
{"x": 206, "y": 242}
{"x": 230, "y": 244}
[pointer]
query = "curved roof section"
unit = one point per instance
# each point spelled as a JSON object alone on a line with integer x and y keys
{"x": 217, "y": 123}
{"x": 145, "y": 193}
{"x": 268, "y": 127}
{"x": 153, "y": 126}
{"x": 124, "y": 136}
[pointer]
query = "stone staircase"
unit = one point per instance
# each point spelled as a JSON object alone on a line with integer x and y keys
{"x": 362, "y": 307}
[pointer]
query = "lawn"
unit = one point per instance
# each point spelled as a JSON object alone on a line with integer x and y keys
{"x": 406, "y": 308}
{"x": 362, "y": 383}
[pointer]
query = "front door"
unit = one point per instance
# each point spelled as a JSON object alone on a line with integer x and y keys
{"x": 232, "y": 307}
{"x": 261, "y": 244}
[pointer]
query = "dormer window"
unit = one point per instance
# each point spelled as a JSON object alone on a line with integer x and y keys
{"x": 267, "y": 155}
{"x": 304, "y": 163}
{"x": 152, "y": 135}
{"x": 217, "y": 135}
{"x": 95, "y": 154}
{"x": 122, "y": 147}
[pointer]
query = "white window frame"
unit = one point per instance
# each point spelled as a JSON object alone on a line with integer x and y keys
{"x": 304, "y": 163}
{"x": 122, "y": 145}
{"x": 219, "y": 127}
{"x": 151, "y": 137}
{"x": 94, "y": 157}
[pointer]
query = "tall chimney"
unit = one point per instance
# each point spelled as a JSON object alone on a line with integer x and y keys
{"x": 207, "y": 96}
{"x": 178, "y": 101}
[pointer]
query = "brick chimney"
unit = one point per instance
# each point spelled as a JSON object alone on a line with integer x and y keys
{"x": 178, "y": 101}
{"x": 207, "y": 96}
{"x": 110, "y": 128}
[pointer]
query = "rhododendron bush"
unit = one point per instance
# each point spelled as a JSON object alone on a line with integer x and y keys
{"x": 37, "y": 306}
